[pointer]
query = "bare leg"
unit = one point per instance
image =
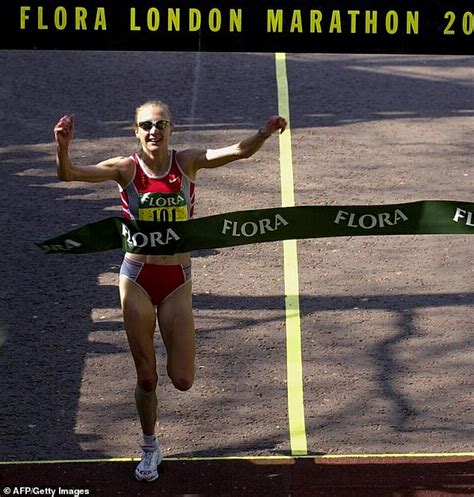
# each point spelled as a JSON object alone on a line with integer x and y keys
{"x": 140, "y": 322}
{"x": 175, "y": 317}
{"x": 147, "y": 405}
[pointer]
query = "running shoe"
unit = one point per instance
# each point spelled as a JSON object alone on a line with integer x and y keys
{"x": 147, "y": 469}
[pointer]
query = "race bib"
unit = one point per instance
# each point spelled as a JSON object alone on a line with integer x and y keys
{"x": 163, "y": 207}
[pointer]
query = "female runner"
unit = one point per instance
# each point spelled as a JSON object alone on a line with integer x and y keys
{"x": 157, "y": 183}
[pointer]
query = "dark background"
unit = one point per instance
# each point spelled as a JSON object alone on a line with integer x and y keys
{"x": 253, "y": 38}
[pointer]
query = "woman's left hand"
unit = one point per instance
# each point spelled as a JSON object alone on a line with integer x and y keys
{"x": 274, "y": 124}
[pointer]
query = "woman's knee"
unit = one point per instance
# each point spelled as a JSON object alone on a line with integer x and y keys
{"x": 181, "y": 381}
{"x": 147, "y": 381}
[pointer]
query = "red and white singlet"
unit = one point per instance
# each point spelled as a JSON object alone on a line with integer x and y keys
{"x": 169, "y": 197}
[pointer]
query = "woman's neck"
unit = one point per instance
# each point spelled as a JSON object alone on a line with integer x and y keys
{"x": 157, "y": 162}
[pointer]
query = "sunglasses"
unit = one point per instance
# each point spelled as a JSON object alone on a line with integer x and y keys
{"x": 161, "y": 124}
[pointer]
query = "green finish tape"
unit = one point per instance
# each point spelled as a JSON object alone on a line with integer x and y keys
{"x": 429, "y": 217}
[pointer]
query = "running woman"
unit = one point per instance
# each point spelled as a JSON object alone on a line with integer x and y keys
{"x": 156, "y": 184}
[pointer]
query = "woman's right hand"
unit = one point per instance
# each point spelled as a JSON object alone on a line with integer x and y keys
{"x": 64, "y": 130}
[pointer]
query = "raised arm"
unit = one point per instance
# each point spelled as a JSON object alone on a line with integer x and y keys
{"x": 195, "y": 159}
{"x": 112, "y": 169}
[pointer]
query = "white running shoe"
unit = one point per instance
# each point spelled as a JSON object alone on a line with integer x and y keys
{"x": 147, "y": 469}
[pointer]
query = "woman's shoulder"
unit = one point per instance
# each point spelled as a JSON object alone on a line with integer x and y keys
{"x": 124, "y": 166}
{"x": 186, "y": 159}
{"x": 119, "y": 161}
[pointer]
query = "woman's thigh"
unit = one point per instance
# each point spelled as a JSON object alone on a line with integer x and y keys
{"x": 176, "y": 321}
{"x": 140, "y": 323}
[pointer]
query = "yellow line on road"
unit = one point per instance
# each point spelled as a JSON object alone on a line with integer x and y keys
{"x": 409, "y": 455}
{"x": 298, "y": 444}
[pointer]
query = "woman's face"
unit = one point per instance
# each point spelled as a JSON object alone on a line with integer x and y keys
{"x": 153, "y": 128}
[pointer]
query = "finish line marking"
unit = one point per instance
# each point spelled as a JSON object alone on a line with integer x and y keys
{"x": 296, "y": 418}
{"x": 427, "y": 455}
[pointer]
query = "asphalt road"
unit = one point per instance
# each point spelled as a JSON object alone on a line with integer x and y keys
{"x": 386, "y": 322}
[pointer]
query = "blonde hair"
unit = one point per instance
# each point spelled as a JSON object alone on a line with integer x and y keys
{"x": 152, "y": 103}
